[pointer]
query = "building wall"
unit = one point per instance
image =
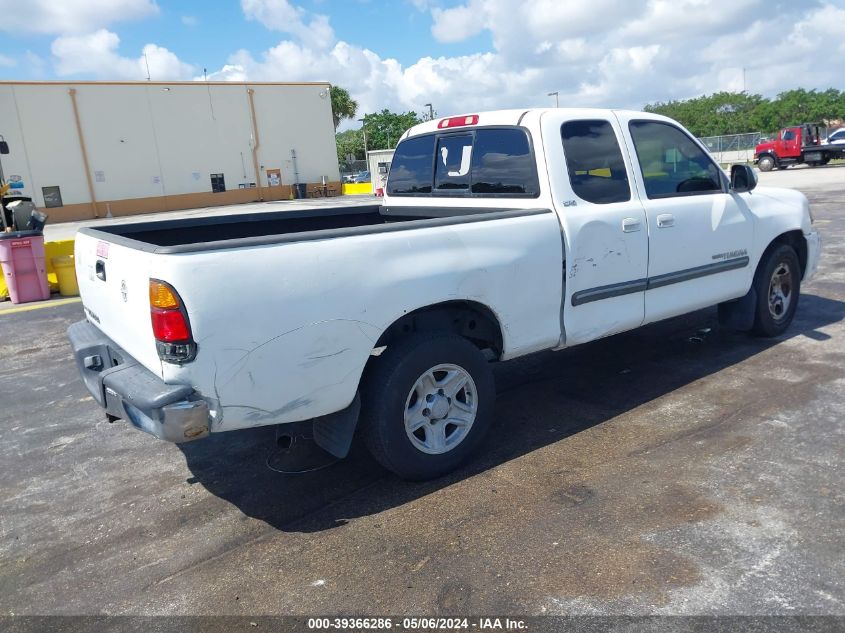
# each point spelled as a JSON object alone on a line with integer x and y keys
{"x": 153, "y": 146}
{"x": 375, "y": 157}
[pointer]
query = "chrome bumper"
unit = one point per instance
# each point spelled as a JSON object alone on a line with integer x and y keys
{"x": 129, "y": 391}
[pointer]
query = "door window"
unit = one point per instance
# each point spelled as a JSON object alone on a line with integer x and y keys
{"x": 671, "y": 162}
{"x": 596, "y": 168}
{"x": 789, "y": 135}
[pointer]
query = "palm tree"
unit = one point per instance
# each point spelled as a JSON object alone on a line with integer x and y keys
{"x": 343, "y": 106}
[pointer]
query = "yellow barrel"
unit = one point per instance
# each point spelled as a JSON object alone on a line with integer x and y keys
{"x": 66, "y": 274}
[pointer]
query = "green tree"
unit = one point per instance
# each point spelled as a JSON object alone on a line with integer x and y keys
{"x": 711, "y": 115}
{"x": 350, "y": 142}
{"x": 343, "y": 106}
{"x": 739, "y": 112}
{"x": 384, "y": 128}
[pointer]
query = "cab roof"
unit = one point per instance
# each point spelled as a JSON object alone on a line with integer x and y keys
{"x": 503, "y": 117}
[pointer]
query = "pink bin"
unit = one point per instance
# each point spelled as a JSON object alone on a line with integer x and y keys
{"x": 22, "y": 258}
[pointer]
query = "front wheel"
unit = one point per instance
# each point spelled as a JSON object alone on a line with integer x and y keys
{"x": 766, "y": 163}
{"x": 427, "y": 404}
{"x": 778, "y": 285}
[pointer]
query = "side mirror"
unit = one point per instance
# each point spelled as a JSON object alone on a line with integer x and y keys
{"x": 743, "y": 178}
{"x": 4, "y": 147}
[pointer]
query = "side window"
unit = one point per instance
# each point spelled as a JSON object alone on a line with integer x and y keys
{"x": 410, "y": 171}
{"x": 453, "y": 159}
{"x": 789, "y": 135}
{"x": 596, "y": 168}
{"x": 671, "y": 162}
{"x": 502, "y": 163}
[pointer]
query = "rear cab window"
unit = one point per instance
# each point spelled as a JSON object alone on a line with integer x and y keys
{"x": 479, "y": 163}
{"x": 410, "y": 170}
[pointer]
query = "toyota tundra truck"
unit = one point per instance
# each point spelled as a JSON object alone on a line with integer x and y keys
{"x": 500, "y": 234}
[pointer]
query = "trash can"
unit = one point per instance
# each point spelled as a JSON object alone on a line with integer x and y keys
{"x": 22, "y": 260}
{"x": 66, "y": 274}
{"x": 301, "y": 190}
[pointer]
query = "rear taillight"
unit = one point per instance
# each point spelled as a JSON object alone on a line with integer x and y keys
{"x": 171, "y": 327}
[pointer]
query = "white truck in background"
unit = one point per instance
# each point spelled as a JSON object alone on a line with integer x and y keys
{"x": 500, "y": 234}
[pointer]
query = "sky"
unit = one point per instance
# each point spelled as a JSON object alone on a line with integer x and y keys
{"x": 462, "y": 56}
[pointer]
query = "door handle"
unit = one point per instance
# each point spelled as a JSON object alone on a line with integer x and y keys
{"x": 665, "y": 220}
{"x": 100, "y": 269}
{"x": 629, "y": 225}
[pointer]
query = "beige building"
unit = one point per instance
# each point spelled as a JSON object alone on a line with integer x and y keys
{"x": 378, "y": 163}
{"x": 86, "y": 149}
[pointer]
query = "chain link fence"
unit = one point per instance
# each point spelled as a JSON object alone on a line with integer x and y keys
{"x": 731, "y": 148}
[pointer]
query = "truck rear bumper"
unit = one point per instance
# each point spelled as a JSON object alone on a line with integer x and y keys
{"x": 128, "y": 390}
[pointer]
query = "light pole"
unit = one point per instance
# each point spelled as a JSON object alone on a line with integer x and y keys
{"x": 556, "y": 95}
{"x": 364, "y": 130}
{"x": 430, "y": 111}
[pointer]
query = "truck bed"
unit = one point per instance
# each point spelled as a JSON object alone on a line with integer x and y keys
{"x": 205, "y": 232}
{"x": 255, "y": 229}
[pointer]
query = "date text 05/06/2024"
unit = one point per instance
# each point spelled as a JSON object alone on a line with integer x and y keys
{"x": 411, "y": 624}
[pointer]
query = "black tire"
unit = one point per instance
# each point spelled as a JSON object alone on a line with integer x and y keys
{"x": 780, "y": 259}
{"x": 766, "y": 163}
{"x": 387, "y": 391}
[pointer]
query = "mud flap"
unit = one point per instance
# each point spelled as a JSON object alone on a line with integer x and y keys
{"x": 739, "y": 314}
{"x": 333, "y": 433}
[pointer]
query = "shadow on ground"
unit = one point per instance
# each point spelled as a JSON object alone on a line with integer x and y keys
{"x": 542, "y": 399}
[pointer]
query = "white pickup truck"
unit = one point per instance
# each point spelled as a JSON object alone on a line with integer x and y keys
{"x": 501, "y": 234}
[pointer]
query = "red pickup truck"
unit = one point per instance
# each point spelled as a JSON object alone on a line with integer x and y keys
{"x": 794, "y": 146}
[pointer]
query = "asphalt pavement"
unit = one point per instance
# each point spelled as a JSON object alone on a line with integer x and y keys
{"x": 677, "y": 469}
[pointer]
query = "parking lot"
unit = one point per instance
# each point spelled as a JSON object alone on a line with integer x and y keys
{"x": 678, "y": 469}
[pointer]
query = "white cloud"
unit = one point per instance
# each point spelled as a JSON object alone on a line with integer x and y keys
{"x": 70, "y": 16}
{"x": 455, "y": 24}
{"x": 613, "y": 53}
{"x": 7, "y": 62}
{"x": 189, "y": 20}
{"x": 164, "y": 64}
{"x": 281, "y": 15}
{"x": 84, "y": 45}
{"x": 96, "y": 54}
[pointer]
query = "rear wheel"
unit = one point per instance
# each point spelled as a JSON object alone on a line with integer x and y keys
{"x": 766, "y": 163}
{"x": 778, "y": 285}
{"x": 427, "y": 404}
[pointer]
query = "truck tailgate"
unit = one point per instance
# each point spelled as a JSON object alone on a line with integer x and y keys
{"x": 114, "y": 286}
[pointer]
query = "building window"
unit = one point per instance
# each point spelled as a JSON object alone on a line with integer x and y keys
{"x": 52, "y": 197}
{"x": 218, "y": 184}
